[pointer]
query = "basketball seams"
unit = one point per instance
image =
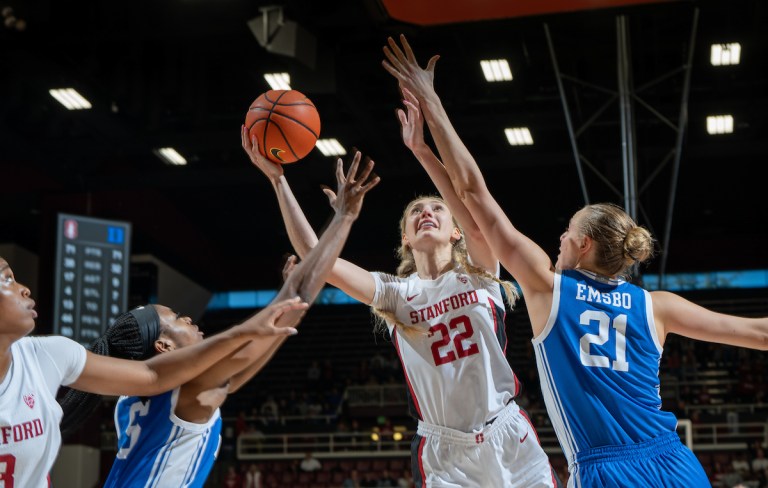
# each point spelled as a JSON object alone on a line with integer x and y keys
{"x": 292, "y": 104}
{"x": 287, "y": 142}
{"x": 277, "y": 102}
{"x": 254, "y": 123}
{"x": 295, "y": 121}
{"x": 267, "y": 108}
{"x": 266, "y": 126}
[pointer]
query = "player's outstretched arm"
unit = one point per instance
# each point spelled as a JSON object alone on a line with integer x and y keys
{"x": 676, "y": 315}
{"x": 355, "y": 281}
{"x": 111, "y": 376}
{"x": 412, "y": 131}
{"x": 306, "y": 280}
{"x": 527, "y": 262}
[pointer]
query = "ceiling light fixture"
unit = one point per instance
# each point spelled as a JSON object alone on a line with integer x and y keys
{"x": 519, "y": 136}
{"x": 725, "y": 54}
{"x": 330, "y": 147}
{"x": 719, "y": 124}
{"x": 496, "y": 70}
{"x": 278, "y": 81}
{"x": 171, "y": 156}
{"x": 70, "y": 98}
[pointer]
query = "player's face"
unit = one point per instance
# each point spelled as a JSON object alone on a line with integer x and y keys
{"x": 428, "y": 221}
{"x": 570, "y": 245}
{"x": 17, "y": 309}
{"x": 178, "y": 328}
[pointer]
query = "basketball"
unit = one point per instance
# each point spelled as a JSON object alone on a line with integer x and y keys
{"x": 285, "y": 123}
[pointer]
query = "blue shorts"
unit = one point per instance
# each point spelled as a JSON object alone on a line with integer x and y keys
{"x": 663, "y": 462}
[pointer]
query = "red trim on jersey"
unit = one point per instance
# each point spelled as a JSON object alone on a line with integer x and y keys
{"x": 48, "y": 478}
{"x": 421, "y": 462}
{"x": 405, "y": 373}
{"x": 528, "y": 419}
{"x": 496, "y": 322}
{"x": 518, "y": 386}
{"x": 496, "y": 333}
{"x": 493, "y": 313}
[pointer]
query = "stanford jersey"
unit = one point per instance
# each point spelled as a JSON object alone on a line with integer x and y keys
{"x": 452, "y": 346}
{"x": 29, "y": 414}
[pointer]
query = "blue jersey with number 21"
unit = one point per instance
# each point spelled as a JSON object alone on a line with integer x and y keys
{"x": 598, "y": 360}
{"x": 158, "y": 449}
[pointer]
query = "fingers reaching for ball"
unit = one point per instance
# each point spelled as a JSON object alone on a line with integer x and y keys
{"x": 352, "y": 186}
{"x": 251, "y": 146}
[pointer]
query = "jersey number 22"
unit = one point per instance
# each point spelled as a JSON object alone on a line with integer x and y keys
{"x": 463, "y": 350}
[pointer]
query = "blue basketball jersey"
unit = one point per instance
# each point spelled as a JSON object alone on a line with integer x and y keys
{"x": 598, "y": 360}
{"x": 158, "y": 449}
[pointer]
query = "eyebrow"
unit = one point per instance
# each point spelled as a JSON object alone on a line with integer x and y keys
{"x": 421, "y": 203}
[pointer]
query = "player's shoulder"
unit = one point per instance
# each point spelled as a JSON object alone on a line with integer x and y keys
{"x": 53, "y": 344}
{"x": 391, "y": 278}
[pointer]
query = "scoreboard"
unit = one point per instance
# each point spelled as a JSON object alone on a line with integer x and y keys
{"x": 92, "y": 261}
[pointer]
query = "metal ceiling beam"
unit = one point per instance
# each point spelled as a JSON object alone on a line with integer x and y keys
{"x": 568, "y": 122}
{"x": 626, "y": 97}
{"x": 626, "y": 109}
{"x": 682, "y": 122}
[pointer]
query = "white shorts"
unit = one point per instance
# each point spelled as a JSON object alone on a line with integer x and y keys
{"x": 506, "y": 453}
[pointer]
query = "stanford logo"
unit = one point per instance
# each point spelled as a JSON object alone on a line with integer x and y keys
{"x": 70, "y": 229}
{"x": 462, "y": 279}
{"x": 479, "y": 438}
{"x": 29, "y": 400}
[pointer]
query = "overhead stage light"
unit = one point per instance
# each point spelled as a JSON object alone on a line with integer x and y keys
{"x": 720, "y": 124}
{"x": 519, "y": 136}
{"x": 725, "y": 54}
{"x": 330, "y": 147}
{"x": 496, "y": 70}
{"x": 171, "y": 156}
{"x": 278, "y": 81}
{"x": 70, "y": 98}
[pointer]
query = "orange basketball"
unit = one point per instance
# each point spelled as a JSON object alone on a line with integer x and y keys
{"x": 286, "y": 125}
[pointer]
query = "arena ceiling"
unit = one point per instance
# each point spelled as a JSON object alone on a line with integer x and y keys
{"x": 182, "y": 73}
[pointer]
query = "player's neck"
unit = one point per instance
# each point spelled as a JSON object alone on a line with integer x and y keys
{"x": 5, "y": 362}
{"x": 431, "y": 266}
{"x": 598, "y": 273}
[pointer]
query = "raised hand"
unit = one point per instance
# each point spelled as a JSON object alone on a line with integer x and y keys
{"x": 251, "y": 148}
{"x": 264, "y": 322}
{"x": 348, "y": 198}
{"x": 289, "y": 266}
{"x": 402, "y": 64}
{"x": 411, "y": 122}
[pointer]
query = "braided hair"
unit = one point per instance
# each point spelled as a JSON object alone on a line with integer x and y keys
{"x": 131, "y": 336}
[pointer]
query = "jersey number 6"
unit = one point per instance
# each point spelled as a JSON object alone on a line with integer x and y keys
{"x": 466, "y": 331}
{"x": 133, "y": 430}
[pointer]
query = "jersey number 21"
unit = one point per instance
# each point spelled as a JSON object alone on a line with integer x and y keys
{"x": 604, "y": 329}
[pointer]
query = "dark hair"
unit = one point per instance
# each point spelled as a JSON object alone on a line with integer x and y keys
{"x": 127, "y": 338}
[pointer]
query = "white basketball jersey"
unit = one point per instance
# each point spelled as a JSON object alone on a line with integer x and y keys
{"x": 452, "y": 348}
{"x": 29, "y": 414}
